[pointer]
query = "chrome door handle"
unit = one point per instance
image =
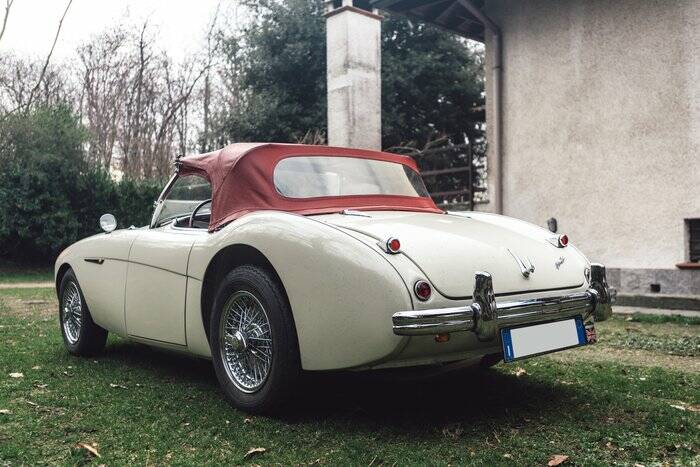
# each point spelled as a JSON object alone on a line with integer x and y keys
{"x": 95, "y": 260}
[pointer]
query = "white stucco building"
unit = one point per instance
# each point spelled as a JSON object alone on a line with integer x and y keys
{"x": 593, "y": 118}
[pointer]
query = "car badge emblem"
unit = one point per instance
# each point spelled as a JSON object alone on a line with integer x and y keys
{"x": 559, "y": 262}
{"x": 525, "y": 269}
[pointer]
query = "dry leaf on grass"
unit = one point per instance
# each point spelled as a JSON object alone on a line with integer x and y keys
{"x": 92, "y": 449}
{"x": 16, "y": 375}
{"x": 120, "y": 386}
{"x": 453, "y": 431}
{"x": 520, "y": 372}
{"x": 253, "y": 451}
{"x": 557, "y": 459}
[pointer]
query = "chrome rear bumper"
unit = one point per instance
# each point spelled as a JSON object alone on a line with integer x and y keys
{"x": 485, "y": 317}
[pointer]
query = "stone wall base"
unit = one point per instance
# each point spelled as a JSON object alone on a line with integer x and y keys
{"x": 666, "y": 302}
{"x": 655, "y": 281}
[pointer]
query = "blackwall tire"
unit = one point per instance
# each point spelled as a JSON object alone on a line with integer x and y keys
{"x": 81, "y": 335}
{"x": 253, "y": 341}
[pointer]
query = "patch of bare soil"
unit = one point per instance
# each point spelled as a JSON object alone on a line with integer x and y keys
{"x": 601, "y": 353}
{"x": 29, "y": 308}
{"x": 26, "y": 285}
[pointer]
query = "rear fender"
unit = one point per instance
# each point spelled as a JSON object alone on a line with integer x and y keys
{"x": 342, "y": 293}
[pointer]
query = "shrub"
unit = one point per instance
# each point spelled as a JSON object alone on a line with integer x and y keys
{"x": 49, "y": 196}
{"x": 135, "y": 201}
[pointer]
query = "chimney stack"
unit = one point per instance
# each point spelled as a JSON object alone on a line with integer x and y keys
{"x": 353, "y": 40}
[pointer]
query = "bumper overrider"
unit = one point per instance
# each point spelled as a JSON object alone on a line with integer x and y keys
{"x": 485, "y": 317}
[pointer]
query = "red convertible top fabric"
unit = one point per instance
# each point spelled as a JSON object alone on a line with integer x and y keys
{"x": 241, "y": 177}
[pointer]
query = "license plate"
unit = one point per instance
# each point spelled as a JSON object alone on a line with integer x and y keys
{"x": 538, "y": 339}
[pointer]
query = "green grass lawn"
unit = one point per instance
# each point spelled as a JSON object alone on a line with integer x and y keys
{"x": 623, "y": 401}
{"x": 14, "y": 273}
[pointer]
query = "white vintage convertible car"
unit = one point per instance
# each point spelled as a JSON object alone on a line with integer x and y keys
{"x": 271, "y": 259}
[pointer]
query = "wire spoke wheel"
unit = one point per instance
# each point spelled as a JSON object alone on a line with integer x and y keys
{"x": 245, "y": 341}
{"x": 72, "y": 313}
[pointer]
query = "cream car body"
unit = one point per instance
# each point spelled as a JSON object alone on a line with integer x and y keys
{"x": 321, "y": 259}
{"x": 343, "y": 288}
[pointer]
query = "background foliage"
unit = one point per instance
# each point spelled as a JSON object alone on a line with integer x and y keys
{"x": 50, "y": 196}
{"x": 122, "y": 107}
{"x": 282, "y": 64}
{"x": 432, "y": 81}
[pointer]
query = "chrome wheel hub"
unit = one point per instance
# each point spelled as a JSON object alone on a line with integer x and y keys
{"x": 245, "y": 341}
{"x": 237, "y": 342}
{"x": 72, "y": 315}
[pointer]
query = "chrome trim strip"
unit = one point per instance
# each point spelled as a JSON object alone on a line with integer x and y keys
{"x": 485, "y": 316}
{"x": 96, "y": 260}
{"x": 351, "y": 212}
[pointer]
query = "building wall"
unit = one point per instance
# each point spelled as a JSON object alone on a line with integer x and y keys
{"x": 601, "y": 122}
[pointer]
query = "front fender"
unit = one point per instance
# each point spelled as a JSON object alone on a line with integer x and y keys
{"x": 102, "y": 282}
{"x": 342, "y": 292}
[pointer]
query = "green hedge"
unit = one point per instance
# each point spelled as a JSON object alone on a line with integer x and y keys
{"x": 50, "y": 196}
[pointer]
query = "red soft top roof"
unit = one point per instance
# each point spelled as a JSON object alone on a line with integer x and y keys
{"x": 241, "y": 177}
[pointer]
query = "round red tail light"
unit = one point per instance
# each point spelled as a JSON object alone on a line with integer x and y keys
{"x": 563, "y": 240}
{"x": 442, "y": 338}
{"x": 422, "y": 290}
{"x": 393, "y": 245}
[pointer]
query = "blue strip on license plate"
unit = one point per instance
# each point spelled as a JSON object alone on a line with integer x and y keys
{"x": 527, "y": 341}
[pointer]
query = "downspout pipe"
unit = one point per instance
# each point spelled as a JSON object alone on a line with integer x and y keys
{"x": 497, "y": 73}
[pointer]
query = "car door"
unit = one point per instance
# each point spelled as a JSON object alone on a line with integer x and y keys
{"x": 156, "y": 284}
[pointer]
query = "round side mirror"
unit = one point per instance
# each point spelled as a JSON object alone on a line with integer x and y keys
{"x": 108, "y": 222}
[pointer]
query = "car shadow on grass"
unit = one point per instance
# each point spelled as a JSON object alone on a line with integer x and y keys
{"x": 469, "y": 396}
{"x": 161, "y": 364}
{"x": 365, "y": 399}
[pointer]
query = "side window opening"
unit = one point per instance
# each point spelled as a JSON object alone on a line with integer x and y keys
{"x": 186, "y": 193}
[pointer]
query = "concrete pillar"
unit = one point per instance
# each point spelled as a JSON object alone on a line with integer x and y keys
{"x": 353, "y": 39}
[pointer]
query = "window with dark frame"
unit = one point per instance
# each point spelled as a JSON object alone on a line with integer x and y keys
{"x": 694, "y": 240}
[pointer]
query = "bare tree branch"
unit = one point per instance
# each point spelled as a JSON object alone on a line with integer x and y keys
{"x": 8, "y": 5}
{"x": 48, "y": 57}
{"x": 138, "y": 104}
{"x": 211, "y": 50}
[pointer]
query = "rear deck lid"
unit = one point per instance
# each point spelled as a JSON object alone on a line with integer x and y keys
{"x": 450, "y": 249}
